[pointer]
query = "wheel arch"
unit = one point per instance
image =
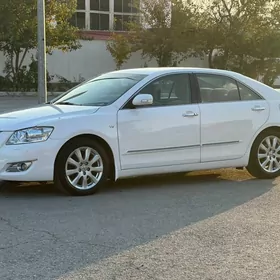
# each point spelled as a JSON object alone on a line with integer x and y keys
{"x": 100, "y": 141}
{"x": 267, "y": 129}
{"x": 254, "y": 167}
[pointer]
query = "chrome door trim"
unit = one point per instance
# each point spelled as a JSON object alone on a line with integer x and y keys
{"x": 221, "y": 143}
{"x": 162, "y": 149}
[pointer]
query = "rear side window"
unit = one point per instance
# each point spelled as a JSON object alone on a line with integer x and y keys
{"x": 217, "y": 88}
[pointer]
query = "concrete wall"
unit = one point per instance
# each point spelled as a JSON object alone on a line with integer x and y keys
{"x": 92, "y": 59}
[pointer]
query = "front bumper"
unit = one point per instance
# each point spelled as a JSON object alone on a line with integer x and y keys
{"x": 42, "y": 155}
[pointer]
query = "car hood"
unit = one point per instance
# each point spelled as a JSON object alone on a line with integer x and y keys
{"x": 40, "y": 114}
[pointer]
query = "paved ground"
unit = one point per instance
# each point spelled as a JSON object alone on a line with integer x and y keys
{"x": 207, "y": 225}
{"x": 211, "y": 225}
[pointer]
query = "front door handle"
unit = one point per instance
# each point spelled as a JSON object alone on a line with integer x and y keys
{"x": 190, "y": 114}
{"x": 258, "y": 108}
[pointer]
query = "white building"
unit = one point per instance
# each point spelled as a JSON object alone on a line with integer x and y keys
{"x": 96, "y": 20}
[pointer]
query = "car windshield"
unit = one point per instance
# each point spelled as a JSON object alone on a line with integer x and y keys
{"x": 101, "y": 91}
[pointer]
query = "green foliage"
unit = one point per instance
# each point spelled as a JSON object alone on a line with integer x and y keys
{"x": 164, "y": 38}
{"x": 154, "y": 39}
{"x": 168, "y": 36}
{"x": 120, "y": 49}
{"x": 244, "y": 36}
{"x": 18, "y": 31}
{"x": 238, "y": 35}
{"x": 27, "y": 77}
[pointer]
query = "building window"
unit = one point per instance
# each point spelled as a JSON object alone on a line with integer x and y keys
{"x": 99, "y": 15}
{"x": 121, "y": 21}
{"x": 104, "y": 14}
{"x": 99, "y": 21}
{"x": 125, "y": 6}
{"x": 100, "y": 5}
{"x": 81, "y": 5}
{"x": 79, "y": 20}
{"x": 124, "y": 12}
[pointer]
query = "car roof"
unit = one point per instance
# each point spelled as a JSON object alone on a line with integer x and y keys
{"x": 162, "y": 70}
{"x": 266, "y": 91}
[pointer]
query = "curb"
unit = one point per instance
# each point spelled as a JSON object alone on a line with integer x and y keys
{"x": 26, "y": 94}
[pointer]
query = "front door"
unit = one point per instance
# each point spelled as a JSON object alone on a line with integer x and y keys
{"x": 165, "y": 133}
{"x": 231, "y": 113}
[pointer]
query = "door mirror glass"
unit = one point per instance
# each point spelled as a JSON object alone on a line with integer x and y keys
{"x": 143, "y": 100}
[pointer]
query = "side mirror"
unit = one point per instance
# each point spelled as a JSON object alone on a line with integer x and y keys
{"x": 143, "y": 100}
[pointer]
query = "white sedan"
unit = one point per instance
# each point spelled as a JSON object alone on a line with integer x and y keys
{"x": 141, "y": 122}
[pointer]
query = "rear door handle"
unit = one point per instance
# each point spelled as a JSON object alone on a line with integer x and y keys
{"x": 258, "y": 108}
{"x": 190, "y": 114}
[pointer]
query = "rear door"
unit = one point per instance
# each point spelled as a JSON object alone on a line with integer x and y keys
{"x": 231, "y": 113}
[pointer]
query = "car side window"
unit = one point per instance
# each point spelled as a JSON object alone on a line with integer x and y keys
{"x": 217, "y": 88}
{"x": 169, "y": 90}
{"x": 246, "y": 93}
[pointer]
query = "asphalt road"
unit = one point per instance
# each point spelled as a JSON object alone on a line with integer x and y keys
{"x": 12, "y": 103}
{"x": 211, "y": 225}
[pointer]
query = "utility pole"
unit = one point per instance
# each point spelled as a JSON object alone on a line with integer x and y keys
{"x": 42, "y": 72}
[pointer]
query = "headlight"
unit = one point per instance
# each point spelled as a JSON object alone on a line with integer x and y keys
{"x": 30, "y": 135}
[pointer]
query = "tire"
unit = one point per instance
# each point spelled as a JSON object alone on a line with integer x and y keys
{"x": 82, "y": 167}
{"x": 268, "y": 153}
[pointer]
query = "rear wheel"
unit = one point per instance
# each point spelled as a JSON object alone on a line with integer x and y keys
{"x": 264, "y": 160}
{"x": 82, "y": 167}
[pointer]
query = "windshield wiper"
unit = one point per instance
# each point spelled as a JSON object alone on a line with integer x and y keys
{"x": 87, "y": 104}
{"x": 66, "y": 103}
{"x": 97, "y": 104}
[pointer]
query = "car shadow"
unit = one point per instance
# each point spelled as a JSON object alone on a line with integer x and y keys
{"x": 123, "y": 215}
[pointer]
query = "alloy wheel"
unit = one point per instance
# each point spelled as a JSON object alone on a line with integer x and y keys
{"x": 269, "y": 154}
{"x": 84, "y": 168}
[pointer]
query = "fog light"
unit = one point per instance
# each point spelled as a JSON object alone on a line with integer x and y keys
{"x": 19, "y": 166}
{"x": 23, "y": 167}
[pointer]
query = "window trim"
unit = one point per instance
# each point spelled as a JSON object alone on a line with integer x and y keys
{"x": 229, "y": 77}
{"x": 193, "y": 93}
{"x": 99, "y": 12}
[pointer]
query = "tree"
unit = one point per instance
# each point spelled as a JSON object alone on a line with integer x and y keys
{"x": 244, "y": 36}
{"x": 18, "y": 30}
{"x": 120, "y": 49}
{"x": 163, "y": 32}
{"x": 154, "y": 37}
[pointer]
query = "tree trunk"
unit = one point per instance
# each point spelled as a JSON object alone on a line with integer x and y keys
{"x": 164, "y": 59}
{"x": 226, "y": 56}
{"x": 23, "y": 57}
{"x": 210, "y": 56}
{"x": 17, "y": 79}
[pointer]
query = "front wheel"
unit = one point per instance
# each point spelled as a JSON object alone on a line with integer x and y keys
{"x": 264, "y": 160}
{"x": 82, "y": 167}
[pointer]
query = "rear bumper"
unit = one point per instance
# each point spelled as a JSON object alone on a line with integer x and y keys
{"x": 42, "y": 155}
